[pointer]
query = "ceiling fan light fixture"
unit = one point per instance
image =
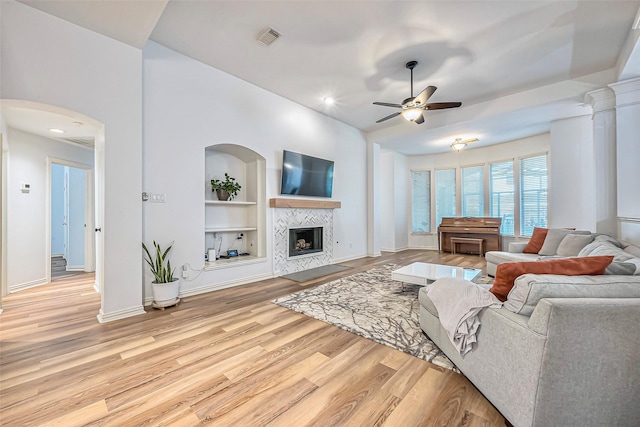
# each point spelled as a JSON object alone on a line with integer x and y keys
{"x": 412, "y": 114}
{"x": 458, "y": 144}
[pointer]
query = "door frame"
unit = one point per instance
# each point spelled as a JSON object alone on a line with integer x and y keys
{"x": 89, "y": 213}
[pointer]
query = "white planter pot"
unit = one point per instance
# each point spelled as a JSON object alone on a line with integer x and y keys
{"x": 165, "y": 294}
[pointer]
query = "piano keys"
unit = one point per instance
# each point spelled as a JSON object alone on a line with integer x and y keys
{"x": 486, "y": 228}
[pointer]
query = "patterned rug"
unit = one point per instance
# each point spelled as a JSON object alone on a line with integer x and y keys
{"x": 374, "y": 306}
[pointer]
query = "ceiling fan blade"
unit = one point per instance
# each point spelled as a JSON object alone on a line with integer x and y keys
{"x": 388, "y": 117}
{"x": 420, "y": 119}
{"x": 441, "y": 105}
{"x": 425, "y": 94}
{"x": 386, "y": 104}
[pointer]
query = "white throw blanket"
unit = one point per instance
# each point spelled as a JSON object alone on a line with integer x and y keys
{"x": 458, "y": 303}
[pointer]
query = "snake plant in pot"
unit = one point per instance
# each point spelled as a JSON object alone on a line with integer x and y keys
{"x": 165, "y": 287}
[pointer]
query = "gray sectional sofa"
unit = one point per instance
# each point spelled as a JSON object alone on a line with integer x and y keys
{"x": 562, "y": 351}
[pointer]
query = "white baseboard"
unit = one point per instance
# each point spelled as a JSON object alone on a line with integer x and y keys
{"x": 120, "y": 314}
{"x": 373, "y": 255}
{"x": 217, "y": 286}
{"x": 96, "y": 287}
{"x": 148, "y": 301}
{"x": 75, "y": 267}
{"x": 394, "y": 250}
{"x": 348, "y": 258}
{"x": 27, "y": 285}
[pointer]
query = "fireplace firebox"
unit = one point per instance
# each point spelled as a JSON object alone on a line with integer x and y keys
{"x": 305, "y": 241}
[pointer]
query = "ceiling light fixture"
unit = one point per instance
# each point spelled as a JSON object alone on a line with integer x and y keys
{"x": 56, "y": 130}
{"x": 328, "y": 100}
{"x": 458, "y": 145}
{"x": 411, "y": 114}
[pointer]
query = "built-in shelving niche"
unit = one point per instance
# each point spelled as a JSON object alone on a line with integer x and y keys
{"x": 245, "y": 214}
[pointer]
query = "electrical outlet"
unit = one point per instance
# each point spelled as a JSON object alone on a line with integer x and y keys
{"x": 185, "y": 271}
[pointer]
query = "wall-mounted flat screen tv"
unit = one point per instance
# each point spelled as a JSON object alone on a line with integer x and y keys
{"x": 305, "y": 175}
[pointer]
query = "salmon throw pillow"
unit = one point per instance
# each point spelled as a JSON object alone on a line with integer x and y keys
{"x": 507, "y": 272}
{"x": 536, "y": 241}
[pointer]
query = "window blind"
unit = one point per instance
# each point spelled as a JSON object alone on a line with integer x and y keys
{"x": 420, "y": 201}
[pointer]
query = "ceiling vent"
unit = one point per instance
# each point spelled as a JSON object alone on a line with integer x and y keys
{"x": 268, "y": 36}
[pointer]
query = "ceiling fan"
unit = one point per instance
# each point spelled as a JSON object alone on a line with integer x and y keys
{"x": 413, "y": 107}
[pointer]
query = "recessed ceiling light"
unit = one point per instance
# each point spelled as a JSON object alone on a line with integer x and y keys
{"x": 328, "y": 100}
{"x": 55, "y": 130}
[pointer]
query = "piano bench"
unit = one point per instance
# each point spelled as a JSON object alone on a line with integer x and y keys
{"x": 463, "y": 240}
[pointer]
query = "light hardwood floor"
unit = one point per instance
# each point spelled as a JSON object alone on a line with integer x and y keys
{"x": 224, "y": 358}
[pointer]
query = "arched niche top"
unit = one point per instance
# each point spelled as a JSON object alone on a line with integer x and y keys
{"x": 243, "y": 153}
{"x": 35, "y": 117}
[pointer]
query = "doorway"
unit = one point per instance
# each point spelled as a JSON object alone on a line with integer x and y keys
{"x": 71, "y": 211}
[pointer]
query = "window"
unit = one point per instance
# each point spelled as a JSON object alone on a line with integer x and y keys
{"x": 501, "y": 194}
{"x": 533, "y": 194}
{"x": 420, "y": 201}
{"x": 473, "y": 191}
{"x": 445, "y": 194}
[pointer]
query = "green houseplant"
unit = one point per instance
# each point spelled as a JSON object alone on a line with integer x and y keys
{"x": 227, "y": 189}
{"x": 165, "y": 287}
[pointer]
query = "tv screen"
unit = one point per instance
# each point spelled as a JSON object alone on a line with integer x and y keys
{"x": 305, "y": 175}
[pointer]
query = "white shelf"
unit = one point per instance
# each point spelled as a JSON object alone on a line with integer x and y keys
{"x": 228, "y": 203}
{"x": 228, "y": 229}
{"x": 233, "y": 262}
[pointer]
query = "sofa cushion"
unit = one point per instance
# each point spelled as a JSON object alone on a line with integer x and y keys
{"x": 426, "y": 302}
{"x": 553, "y": 239}
{"x": 498, "y": 257}
{"x": 529, "y": 289}
{"x": 621, "y": 268}
{"x": 572, "y": 244}
{"x": 507, "y": 272}
{"x": 537, "y": 239}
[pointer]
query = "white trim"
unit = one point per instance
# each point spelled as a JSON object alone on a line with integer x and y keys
{"x": 96, "y": 287}
{"x": 27, "y": 285}
{"x": 75, "y": 267}
{"x": 120, "y": 314}
{"x": 223, "y": 285}
{"x": 404, "y": 248}
{"x": 374, "y": 255}
{"x": 349, "y": 258}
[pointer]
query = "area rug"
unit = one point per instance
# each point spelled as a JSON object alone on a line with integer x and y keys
{"x": 314, "y": 273}
{"x": 374, "y": 306}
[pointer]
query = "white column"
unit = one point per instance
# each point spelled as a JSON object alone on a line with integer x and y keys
{"x": 628, "y": 157}
{"x": 604, "y": 151}
{"x": 373, "y": 199}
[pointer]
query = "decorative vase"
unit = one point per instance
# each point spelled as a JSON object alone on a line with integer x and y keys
{"x": 165, "y": 294}
{"x": 222, "y": 194}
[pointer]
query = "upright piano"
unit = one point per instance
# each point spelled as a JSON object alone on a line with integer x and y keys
{"x": 486, "y": 228}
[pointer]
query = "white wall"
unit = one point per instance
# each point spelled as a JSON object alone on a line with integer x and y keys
{"x": 394, "y": 195}
{"x": 537, "y": 144}
{"x": 189, "y": 106}
{"x": 51, "y": 61}
{"x": 572, "y": 198}
{"x": 27, "y": 213}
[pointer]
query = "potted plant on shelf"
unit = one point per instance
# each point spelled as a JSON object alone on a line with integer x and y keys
{"x": 227, "y": 189}
{"x": 165, "y": 287}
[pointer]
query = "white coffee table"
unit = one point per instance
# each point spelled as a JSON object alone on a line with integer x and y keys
{"x": 422, "y": 273}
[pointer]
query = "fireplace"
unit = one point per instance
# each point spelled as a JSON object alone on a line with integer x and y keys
{"x": 305, "y": 241}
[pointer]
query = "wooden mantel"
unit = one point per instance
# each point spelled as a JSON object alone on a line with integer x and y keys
{"x": 304, "y": 203}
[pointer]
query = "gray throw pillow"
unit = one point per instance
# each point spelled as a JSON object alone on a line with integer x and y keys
{"x": 529, "y": 289}
{"x": 621, "y": 268}
{"x": 553, "y": 239}
{"x": 572, "y": 244}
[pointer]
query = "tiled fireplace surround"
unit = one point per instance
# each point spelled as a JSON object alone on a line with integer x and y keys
{"x": 285, "y": 218}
